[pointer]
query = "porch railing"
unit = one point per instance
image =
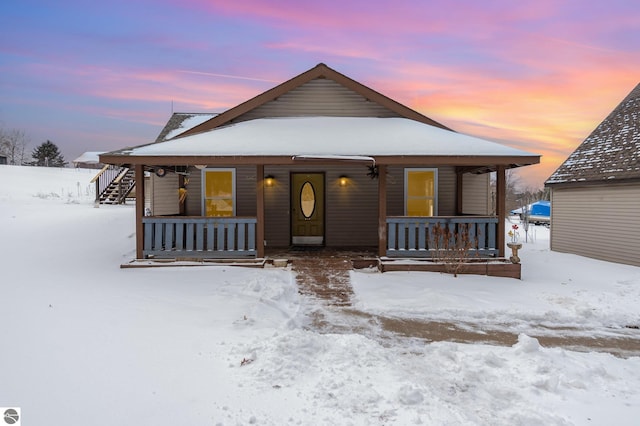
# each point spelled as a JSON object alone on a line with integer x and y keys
{"x": 422, "y": 236}
{"x": 199, "y": 237}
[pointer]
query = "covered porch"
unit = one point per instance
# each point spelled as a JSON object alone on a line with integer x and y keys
{"x": 414, "y": 239}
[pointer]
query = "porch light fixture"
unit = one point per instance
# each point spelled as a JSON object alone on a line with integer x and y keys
{"x": 161, "y": 172}
{"x": 201, "y": 166}
{"x": 269, "y": 180}
{"x": 343, "y": 180}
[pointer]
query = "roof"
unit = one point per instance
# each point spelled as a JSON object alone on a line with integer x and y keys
{"x": 611, "y": 152}
{"x": 89, "y": 157}
{"x": 321, "y": 136}
{"x": 181, "y": 122}
{"x": 233, "y": 138}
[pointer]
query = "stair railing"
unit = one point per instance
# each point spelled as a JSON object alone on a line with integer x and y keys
{"x": 105, "y": 177}
{"x": 122, "y": 190}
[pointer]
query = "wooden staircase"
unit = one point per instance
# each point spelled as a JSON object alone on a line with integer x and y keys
{"x": 114, "y": 185}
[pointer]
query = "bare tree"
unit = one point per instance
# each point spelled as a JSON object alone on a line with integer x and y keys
{"x": 13, "y": 145}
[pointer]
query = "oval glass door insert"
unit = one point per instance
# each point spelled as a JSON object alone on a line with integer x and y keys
{"x": 307, "y": 199}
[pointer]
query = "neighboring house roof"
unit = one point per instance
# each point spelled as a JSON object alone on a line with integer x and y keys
{"x": 611, "y": 152}
{"x": 181, "y": 122}
{"x": 89, "y": 157}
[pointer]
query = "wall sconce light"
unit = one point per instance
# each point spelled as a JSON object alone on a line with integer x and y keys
{"x": 161, "y": 172}
{"x": 269, "y": 180}
{"x": 343, "y": 180}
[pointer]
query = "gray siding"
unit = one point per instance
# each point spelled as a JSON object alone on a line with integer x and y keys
{"x": 246, "y": 191}
{"x": 193, "y": 203}
{"x": 319, "y": 97}
{"x": 164, "y": 195}
{"x": 447, "y": 191}
{"x": 599, "y": 222}
{"x": 351, "y": 212}
{"x": 476, "y": 198}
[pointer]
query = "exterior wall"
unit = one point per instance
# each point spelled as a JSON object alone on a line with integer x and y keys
{"x": 193, "y": 203}
{"x": 599, "y": 222}
{"x": 319, "y": 97}
{"x": 147, "y": 193}
{"x": 476, "y": 196}
{"x": 164, "y": 195}
{"x": 351, "y": 212}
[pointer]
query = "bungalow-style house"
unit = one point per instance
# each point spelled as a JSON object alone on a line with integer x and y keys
{"x": 595, "y": 193}
{"x": 319, "y": 160}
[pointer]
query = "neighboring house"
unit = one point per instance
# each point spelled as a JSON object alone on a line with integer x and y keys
{"x": 595, "y": 193}
{"x": 3, "y": 159}
{"x": 180, "y": 122}
{"x": 88, "y": 160}
{"x": 317, "y": 160}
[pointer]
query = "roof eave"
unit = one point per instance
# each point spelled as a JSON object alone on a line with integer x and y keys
{"x": 472, "y": 161}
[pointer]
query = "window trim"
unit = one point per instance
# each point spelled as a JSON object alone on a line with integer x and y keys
{"x": 203, "y": 189}
{"x": 435, "y": 186}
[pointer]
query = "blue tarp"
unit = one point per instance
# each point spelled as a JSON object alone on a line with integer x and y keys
{"x": 539, "y": 208}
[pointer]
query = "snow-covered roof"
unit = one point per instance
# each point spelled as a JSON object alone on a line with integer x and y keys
{"x": 89, "y": 157}
{"x": 181, "y": 122}
{"x": 611, "y": 152}
{"x": 321, "y": 136}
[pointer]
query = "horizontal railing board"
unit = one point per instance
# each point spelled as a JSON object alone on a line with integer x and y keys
{"x": 199, "y": 237}
{"x": 409, "y": 236}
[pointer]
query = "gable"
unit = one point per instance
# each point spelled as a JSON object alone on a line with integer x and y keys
{"x": 319, "y": 72}
{"x": 611, "y": 153}
{"x": 320, "y": 97}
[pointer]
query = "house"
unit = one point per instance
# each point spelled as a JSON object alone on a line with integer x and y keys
{"x": 88, "y": 160}
{"x": 319, "y": 160}
{"x": 595, "y": 193}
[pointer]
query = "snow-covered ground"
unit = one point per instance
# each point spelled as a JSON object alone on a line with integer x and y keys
{"x": 88, "y": 343}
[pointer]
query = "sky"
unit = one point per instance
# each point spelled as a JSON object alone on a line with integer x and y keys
{"x": 99, "y": 76}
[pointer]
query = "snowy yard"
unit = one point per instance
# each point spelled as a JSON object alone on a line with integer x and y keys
{"x": 88, "y": 343}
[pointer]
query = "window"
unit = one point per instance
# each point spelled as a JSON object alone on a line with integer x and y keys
{"x": 421, "y": 192}
{"x": 219, "y": 192}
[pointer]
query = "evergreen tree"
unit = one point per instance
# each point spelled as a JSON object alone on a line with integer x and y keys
{"x": 47, "y": 155}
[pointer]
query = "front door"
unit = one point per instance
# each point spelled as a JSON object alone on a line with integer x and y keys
{"x": 307, "y": 208}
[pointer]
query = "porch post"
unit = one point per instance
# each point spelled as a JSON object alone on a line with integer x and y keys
{"x": 501, "y": 210}
{"x": 260, "y": 210}
{"x": 382, "y": 210}
{"x": 139, "y": 175}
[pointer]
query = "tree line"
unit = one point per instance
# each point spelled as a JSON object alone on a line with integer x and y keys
{"x": 13, "y": 146}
